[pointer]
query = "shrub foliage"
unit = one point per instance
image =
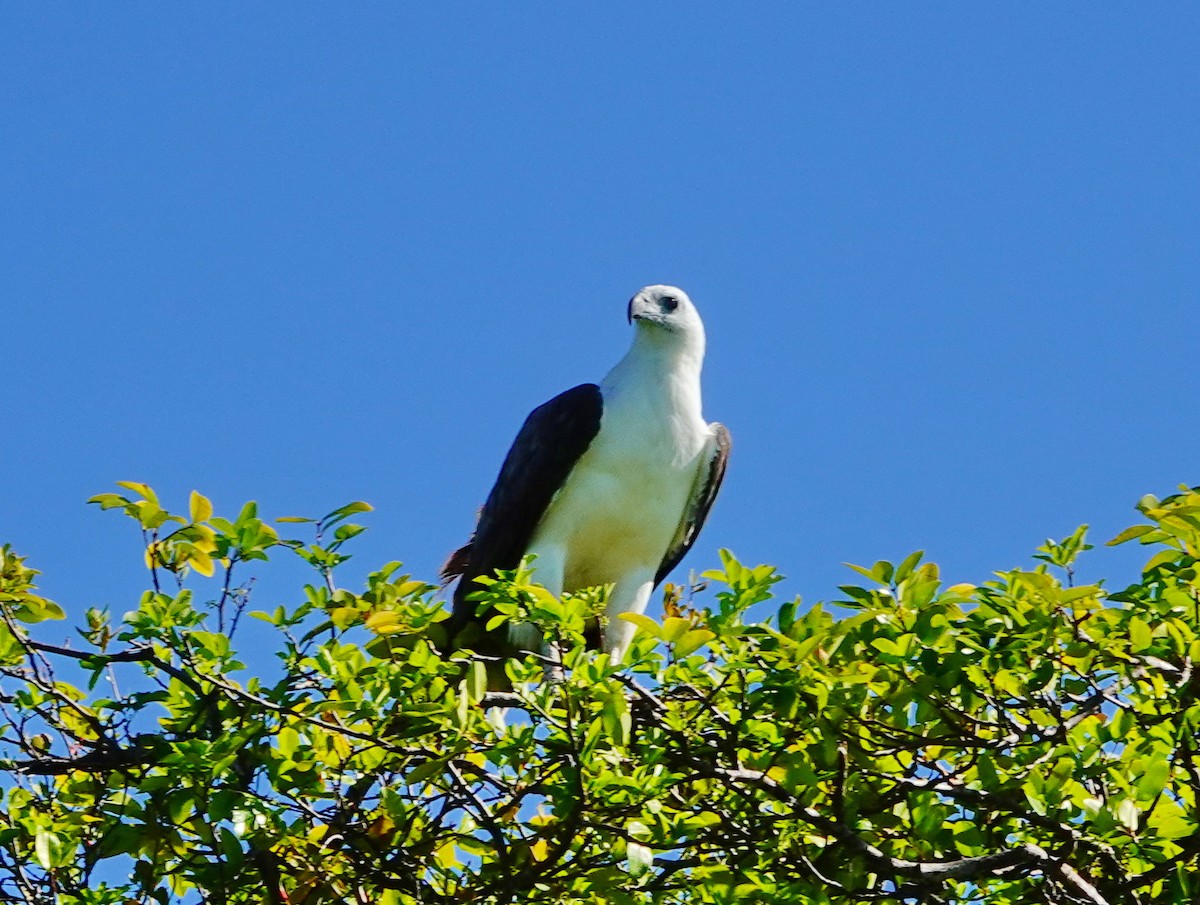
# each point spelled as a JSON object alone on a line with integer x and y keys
{"x": 1020, "y": 741}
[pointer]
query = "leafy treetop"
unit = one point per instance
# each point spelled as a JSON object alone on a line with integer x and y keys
{"x": 1018, "y": 741}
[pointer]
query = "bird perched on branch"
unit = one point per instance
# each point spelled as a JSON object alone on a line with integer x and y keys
{"x": 604, "y": 484}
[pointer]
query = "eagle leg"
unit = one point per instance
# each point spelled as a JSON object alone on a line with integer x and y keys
{"x": 549, "y": 567}
{"x": 629, "y": 595}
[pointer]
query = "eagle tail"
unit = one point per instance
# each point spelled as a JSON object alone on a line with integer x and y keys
{"x": 456, "y": 564}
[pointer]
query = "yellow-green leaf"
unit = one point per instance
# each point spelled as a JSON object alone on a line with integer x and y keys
{"x": 199, "y": 507}
{"x": 693, "y": 640}
{"x": 202, "y": 563}
{"x": 289, "y": 741}
{"x": 139, "y": 488}
{"x": 1140, "y": 635}
{"x": 446, "y": 855}
{"x": 674, "y": 628}
{"x": 345, "y": 616}
{"x": 643, "y": 621}
{"x": 542, "y": 595}
{"x": 382, "y": 623}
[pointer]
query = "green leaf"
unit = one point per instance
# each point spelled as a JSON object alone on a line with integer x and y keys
{"x": 345, "y": 532}
{"x": 344, "y": 512}
{"x": 1169, "y": 821}
{"x": 862, "y": 570}
{"x": 1130, "y": 533}
{"x": 1154, "y": 778}
{"x": 288, "y": 740}
{"x": 477, "y": 683}
{"x": 212, "y": 643}
{"x": 1160, "y": 559}
{"x": 426, "y": 771}
{"x": 108, "y": 500}
{"x": 615, "y": 715}
{"x": 888, "y": 646}
{"x": 1140, "y": 635}
{"x": 907, "y": 565}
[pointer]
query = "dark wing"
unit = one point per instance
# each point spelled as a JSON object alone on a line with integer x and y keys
{"x": 547, "y": 447}
{"x": 702, "y": 499}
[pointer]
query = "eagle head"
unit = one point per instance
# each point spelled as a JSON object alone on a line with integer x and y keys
{"x": 665, "y": 308}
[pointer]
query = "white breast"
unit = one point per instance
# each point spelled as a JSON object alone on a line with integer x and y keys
{"x": 622, "y": 503}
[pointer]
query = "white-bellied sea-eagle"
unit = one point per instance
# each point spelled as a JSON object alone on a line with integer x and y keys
{"x": 604, "y": 484}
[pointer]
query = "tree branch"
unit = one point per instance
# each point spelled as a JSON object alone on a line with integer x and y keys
{"x": 972, "y": 868}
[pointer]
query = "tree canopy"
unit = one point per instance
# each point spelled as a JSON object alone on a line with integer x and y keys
{"x": 1021, "y": 740}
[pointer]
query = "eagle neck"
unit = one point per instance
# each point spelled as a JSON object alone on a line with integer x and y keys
{"x": 662, "y": 372}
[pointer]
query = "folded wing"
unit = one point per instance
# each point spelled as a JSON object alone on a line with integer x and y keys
{"x": 547, "y": 447}
{"x": 708, "y": 482}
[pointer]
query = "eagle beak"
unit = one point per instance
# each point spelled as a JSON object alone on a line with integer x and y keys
{"x": 637, "y": 310}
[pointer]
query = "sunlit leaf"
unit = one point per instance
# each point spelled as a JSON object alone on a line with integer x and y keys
{"x": 199, "y": 507}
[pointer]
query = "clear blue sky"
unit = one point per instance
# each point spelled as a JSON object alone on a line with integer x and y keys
{"x": 947, "y": 255}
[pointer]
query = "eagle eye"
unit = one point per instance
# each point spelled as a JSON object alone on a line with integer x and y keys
{"x": 670, "y": 303}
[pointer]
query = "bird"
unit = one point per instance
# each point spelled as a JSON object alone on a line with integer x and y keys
{"x": 605, "y": 484}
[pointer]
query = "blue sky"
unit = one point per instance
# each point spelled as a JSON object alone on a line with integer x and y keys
{"x": 947, "y": 256}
